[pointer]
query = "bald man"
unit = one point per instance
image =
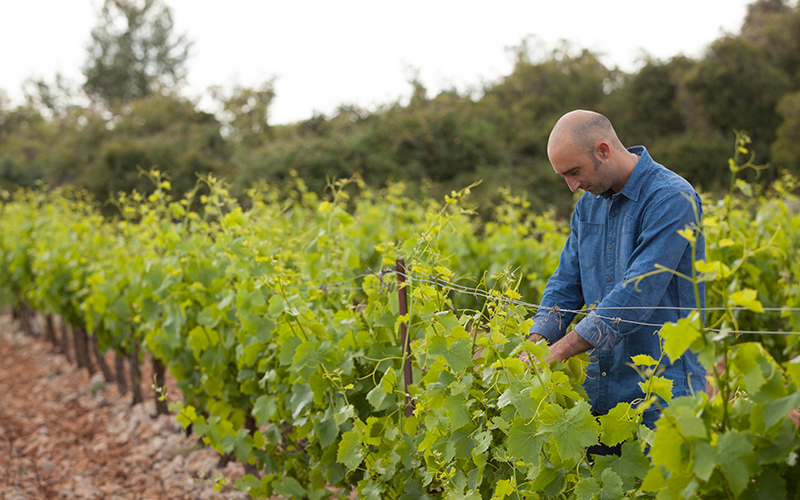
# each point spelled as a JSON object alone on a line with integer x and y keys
{"x": 625, "y": 223}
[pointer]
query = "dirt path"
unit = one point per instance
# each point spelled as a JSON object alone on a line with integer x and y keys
{"x": 64, "y": 435}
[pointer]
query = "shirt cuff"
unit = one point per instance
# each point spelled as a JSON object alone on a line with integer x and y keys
{"x": 549, "y": 325}
{"x": 596, "y": 332}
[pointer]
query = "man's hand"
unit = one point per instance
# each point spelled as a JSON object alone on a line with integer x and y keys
{"x": 569, "y": 346}
{"x": 523, "y": 354}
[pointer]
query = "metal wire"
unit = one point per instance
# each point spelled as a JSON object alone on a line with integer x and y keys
{"x": 476, "y": 292}
{"x": 480, "y": 293}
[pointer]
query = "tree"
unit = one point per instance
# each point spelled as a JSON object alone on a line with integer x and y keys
{"x": 526, "y": 104}
{"x": 24, "y": 139}
{"x": 245, "y": 112}
{"x": 648, "y": 106}
{"x": 160, "y": 131}
{"x": 54, "y": 99}
{"x": 133, "y": 52}
{"x": 736, "y": 87}
{"x": 786, "y": 148}
{"x": 774, "y": 27}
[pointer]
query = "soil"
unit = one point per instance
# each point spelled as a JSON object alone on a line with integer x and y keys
{"x": 65, "y": 435}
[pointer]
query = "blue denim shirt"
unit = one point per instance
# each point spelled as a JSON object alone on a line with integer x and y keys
{"x": 615, "y": 237}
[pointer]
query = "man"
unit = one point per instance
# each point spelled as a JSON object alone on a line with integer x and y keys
{"x": 622, "y": 227}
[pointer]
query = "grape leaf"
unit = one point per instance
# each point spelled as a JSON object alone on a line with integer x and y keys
{"x": 524, "y": 443}
{"x": 520, "y": 397}
{"x": 344, "y": 414}
{"x": 629, "y": 465}
{"x": 704, "y": 460}
{"x": 617, "y": 425}
{"x": 679, "y": 336}
{"x": 384, "y": 387}
{"x": 689, "y": 425}
{"x": 503, "y": 489}
{"x": 456, "y": 411}
{"x": 302, "y": 396}
{"x": 326, "y": 429}
{"x": 659, "y": 386}
{"x": 458, "y": 355}
{"x": 263, "y": 409}
{"x": 571, "y": 431}
{"x": 290, "y": 487}
{"x": 777, "y": 409}
{"x": 305, "y": 354}
{"x": 747, "y": 298}
{"x": 350, "y": 453}
{"x": 736, "y": 458}
{"x": 198, "y": 340}
{"x": 643, "y": 360}
{"x": 587, "y": 489}
{"x": 667, "y": 446}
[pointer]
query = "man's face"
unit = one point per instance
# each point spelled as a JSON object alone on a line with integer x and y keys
{"x": 581, "y": 171}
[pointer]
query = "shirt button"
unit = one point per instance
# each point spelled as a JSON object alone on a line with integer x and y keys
{"x": 608, "y": 279}
{"x": 610, "y": 246}
{"x": 613, "y": 214}
{"x": 604, "y": 374}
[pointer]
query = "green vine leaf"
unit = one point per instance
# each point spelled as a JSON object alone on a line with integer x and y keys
{"x": 570, "y": 431}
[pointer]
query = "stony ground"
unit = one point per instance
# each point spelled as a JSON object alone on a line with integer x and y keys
{"x": 64, "y": 435}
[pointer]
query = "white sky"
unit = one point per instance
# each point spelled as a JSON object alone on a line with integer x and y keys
{"x": 325, "y": 53}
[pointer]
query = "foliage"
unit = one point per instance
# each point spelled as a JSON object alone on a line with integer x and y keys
{"x": 682, "y": 109}
{"x": 133, "y": 52}
{"x": 786, "y": 148}
{"x": 154, "y": 131}
{"x": 772, "y": 25}
{"x": 245, "y": 113}
{"x": 735, "y": 85}
{"x": 292, "y": 364}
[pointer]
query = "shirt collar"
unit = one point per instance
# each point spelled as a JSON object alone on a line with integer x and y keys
{"x": 633, "y": 187}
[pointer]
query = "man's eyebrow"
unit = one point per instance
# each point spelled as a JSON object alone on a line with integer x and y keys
{"x": 570, "y": 171}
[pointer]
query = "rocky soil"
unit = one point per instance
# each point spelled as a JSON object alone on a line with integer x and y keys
{"x": 64, "y": 435}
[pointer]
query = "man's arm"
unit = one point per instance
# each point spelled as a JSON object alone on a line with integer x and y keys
{"x": 572, "y": 344}
{"x": 563, "y": 290}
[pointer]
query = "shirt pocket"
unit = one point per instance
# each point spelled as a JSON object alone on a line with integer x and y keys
{"x": 589, "y": 243}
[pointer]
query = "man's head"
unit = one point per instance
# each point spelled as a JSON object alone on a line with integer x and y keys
{"x": 584, "y": 149}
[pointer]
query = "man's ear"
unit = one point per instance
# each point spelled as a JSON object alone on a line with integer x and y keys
{"x": 602, "y": 150}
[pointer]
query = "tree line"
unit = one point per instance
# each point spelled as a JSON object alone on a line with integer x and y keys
{"x": 129, "y": 114}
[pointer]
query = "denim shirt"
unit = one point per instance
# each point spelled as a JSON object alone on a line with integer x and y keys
{"x": 615, "y": 237}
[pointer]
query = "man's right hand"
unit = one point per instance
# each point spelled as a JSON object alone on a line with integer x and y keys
{"x": 523, "y": 355}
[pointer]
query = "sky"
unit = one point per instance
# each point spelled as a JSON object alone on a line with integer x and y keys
{"x": 323, "y": 54}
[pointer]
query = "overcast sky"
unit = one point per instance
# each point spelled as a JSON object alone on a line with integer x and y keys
{"x": 326, "y": 53}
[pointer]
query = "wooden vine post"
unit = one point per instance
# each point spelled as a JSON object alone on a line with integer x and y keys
{"x": 402, "y": 297}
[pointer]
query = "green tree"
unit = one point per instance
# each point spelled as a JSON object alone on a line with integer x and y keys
{"x": 736, "y": 87}
{"x": 649, "y": 105}
{"x": 163, "y": 131}
{"x": 133, "y": 52}
{"x": 53, "y": 99}
{"x": 245, "y": 112}
{"x": 786, "y": 148}
{"x": 25, "y": 135}
{"x": 525, "y": 104}
{"x": 774, "y": 27}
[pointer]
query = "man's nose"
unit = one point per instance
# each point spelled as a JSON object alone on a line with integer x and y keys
{"x": 573, "y": 184}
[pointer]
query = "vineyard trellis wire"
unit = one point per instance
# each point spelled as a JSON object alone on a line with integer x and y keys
{"x": 455, "y": 287}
